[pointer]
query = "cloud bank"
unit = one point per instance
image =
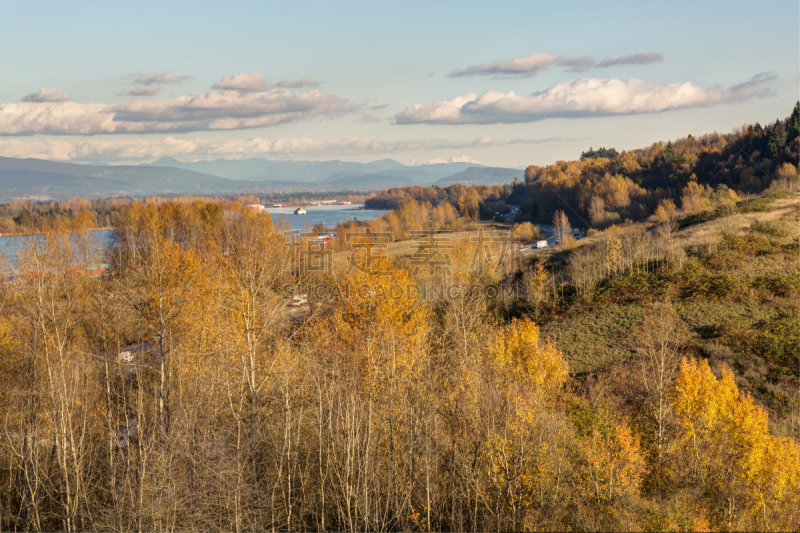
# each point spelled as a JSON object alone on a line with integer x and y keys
{"x": 242, "y": 101}
{"x": 440, "y": 160}
{"x": 530, "y": 65}
{"x": 137, "y": 150}
{"x": 586, "y": 97}
{"x": 46, "y": 95}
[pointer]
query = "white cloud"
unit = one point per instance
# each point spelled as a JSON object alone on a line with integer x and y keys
{"x": 137, "y": 150}
{"x": 255, "y": 82}
{"x": 213, "y": 110}
{"x": 36, "y": 150}
{"x": 586, "y": 97}
{"x": 526, "y": 65}
{"x": 162, "y": 78}
{"x": 243, "y": 82}
{"x": 440, "y": 160}
{"x": 465, "y": 159}
{"x": 144, "y": 91}
{"x": 532, "y": 64}
{"x": 46, "y": 95}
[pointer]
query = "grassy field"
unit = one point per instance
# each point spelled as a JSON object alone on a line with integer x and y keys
{"x": 738, "y": 294}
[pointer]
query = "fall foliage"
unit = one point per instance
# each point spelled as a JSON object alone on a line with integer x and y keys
{"x": 183, "y": 390}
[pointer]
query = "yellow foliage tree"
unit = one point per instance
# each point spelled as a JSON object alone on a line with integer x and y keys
{"x": 539, "y": 281}
{"x": 693, "y": 199}
{"x": 752, "y": 477}
{"x": 519, "y": 353}
{"x": 613, "y": 255}
{"x": 614, "y": 464}
{"x": 468, "y": 205}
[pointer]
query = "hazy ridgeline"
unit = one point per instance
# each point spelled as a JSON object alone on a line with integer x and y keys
{"x": 179, "y": 392}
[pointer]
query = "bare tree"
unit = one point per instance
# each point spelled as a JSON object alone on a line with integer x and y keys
{"x": 661, "y": 344}
{"x": 561, "y": 226}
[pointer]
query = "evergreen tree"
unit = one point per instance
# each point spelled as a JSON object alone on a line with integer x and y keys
{"x": 776, "y": 140}
{"x": 793, "y": 124}
{"x": 670, "y": 152}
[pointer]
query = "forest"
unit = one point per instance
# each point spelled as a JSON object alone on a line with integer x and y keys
{"x": 605, "y": 187}
{"x": 184, "y": 378}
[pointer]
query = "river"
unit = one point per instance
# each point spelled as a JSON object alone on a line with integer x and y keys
{"x": 329, "y": 214}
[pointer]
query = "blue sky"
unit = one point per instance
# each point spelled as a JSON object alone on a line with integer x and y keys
{"x": 371, "y": 63}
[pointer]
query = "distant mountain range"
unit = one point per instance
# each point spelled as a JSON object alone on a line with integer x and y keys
{"x": 26, "y": 178}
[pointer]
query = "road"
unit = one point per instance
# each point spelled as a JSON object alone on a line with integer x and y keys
{"x": 551, "y": 241}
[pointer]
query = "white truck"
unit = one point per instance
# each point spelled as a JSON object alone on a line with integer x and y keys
{"x": 541, "y": 244}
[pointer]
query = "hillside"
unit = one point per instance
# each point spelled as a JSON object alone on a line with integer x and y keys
{"x": 21, "y": 178}
{"x": 605, "y": 186}
{"x": 642, "y": 378}
{"x": 735, "y": 288}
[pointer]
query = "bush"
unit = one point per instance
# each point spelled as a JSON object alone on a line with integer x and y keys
{"x": 527, "y": 232}
{"x": 766, "y": 228}
{"x": 749, "y": 244}
{"x": 778, "y": 342}
{"x": 784, "y": 287}
{"x": 713, "y": 287}
{"x": 760, "y": 205}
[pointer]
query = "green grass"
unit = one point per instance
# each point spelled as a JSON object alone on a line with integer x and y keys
{"x": 762, "y": 204}
{"x": 596, "y": 338}
{"x": 739, "y": 297}
{"x": 751, "y": 205}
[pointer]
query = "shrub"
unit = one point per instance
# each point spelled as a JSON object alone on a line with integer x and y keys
{"x": 766, "y": 228}
{"x": 778, "y": 341}
{"x": 779, "y": 286}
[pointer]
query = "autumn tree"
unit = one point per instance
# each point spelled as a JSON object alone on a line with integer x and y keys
{"x": 597, "y": 211}
{"x": 561, "y": 226}
{"x": 468, "y": 205}
{"x": 693, "y": 199}
{"x": 786, "y": 178}
{"x": 751, "y": 478}
{"x": 661, "y": 337}
{"x": 539, "y": 281}
{"x": 666, "y": 216}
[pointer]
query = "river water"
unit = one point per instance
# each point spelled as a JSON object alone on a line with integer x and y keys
{"x": 329, "y": 214}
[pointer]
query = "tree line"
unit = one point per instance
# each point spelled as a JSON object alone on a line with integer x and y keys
{"x": 606, "y": 187}
{"x": 630, "y": 185}
{"x": 26, "y": 216}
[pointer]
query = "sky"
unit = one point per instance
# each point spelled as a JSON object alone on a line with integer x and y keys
{"x": 505, "y": 83}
